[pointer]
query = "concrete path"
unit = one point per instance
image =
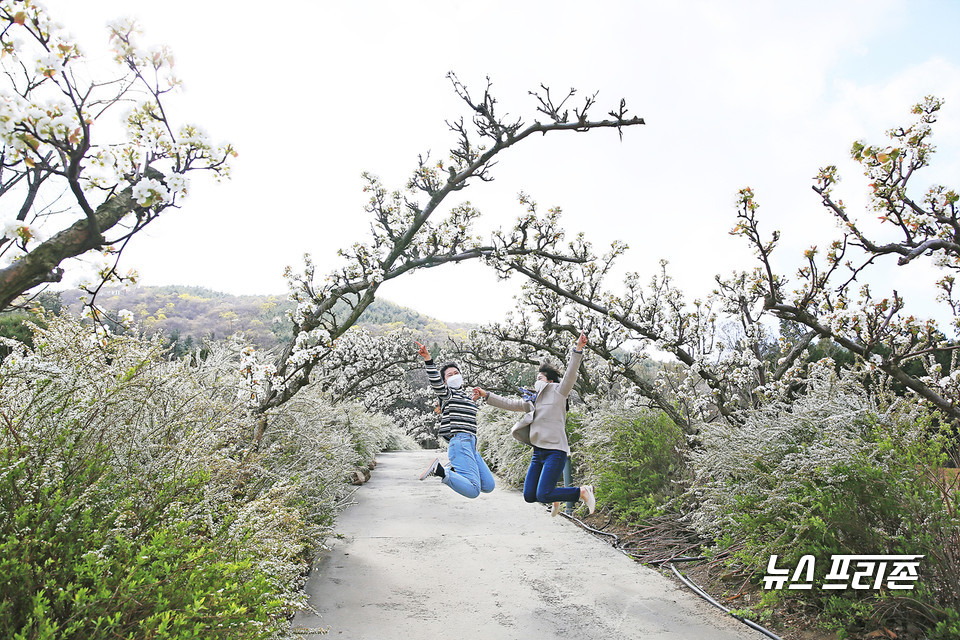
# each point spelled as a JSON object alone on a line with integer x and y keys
{"x": 416, "y": 560}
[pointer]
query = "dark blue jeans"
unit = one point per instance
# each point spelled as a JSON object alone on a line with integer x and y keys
{"x": 542, "y": 476}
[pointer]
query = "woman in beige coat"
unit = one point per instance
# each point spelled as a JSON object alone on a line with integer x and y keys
{"x": 547, "y": 433}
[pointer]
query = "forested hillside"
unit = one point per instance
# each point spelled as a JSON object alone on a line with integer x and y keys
{"x": 188, "y": 315}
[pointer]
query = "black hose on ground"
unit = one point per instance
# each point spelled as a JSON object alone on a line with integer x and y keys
{"x": 703, "y": 594}
{"x": 657, "y": 563}
{"x": 615, "y": 537}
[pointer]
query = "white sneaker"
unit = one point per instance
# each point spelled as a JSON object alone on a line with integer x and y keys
{"x": 555, "y": 511}
{"x": 589, "y": 499}
{"x": 431, "y": 469}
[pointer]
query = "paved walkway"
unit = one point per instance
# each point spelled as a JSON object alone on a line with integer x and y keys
{"x": 416, "y": 560}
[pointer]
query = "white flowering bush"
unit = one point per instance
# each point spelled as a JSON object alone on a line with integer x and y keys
{"x": 132, "y": 484}
{"x": 832, "y": 428}
{"x": 836, "y": 472}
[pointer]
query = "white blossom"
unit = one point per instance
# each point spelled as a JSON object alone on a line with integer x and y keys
{"x": 149, "y": 192}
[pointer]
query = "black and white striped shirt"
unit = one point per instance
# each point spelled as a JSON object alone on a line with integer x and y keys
{"x": 459, "y": 413}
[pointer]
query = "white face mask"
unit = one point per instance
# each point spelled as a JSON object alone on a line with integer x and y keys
{"x": 539, "y": 385}
{"x": 455, "y": 381}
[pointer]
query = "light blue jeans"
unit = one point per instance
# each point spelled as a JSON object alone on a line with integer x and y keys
{"x": 468, "y": 474}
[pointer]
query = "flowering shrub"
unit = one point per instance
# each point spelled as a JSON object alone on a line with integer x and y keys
{"x": 130, "y": 484}
{"x": 633, "y": 456}
{"x": 833, "y": 473}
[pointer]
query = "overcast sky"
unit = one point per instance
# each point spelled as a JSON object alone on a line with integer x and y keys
{"x": 734, "y": 94}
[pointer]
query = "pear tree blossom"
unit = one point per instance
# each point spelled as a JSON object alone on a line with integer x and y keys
{"x": 414, "y": 228}
{"x": 727, "y": 358}
{"x": 832, "y": 294}
{"x": 712, "y": 376}
{"x": 89, "y": 157}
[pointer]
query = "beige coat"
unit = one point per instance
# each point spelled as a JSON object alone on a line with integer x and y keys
{"x": 547, "y": 429}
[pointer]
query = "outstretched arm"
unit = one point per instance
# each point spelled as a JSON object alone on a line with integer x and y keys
{"x": 573, "y": 367}
{"x": 433, "y": 375}
{"x": 510, "y": 404}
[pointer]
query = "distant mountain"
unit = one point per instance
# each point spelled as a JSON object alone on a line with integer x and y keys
{"x": 182, "y": 314}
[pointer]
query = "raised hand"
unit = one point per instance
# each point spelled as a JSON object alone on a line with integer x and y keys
{"x": 422, "y": 351}
{"x": 581, "y": 342}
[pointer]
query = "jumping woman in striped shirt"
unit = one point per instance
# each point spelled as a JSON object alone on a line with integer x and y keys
{"x": 468, "y": 474}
